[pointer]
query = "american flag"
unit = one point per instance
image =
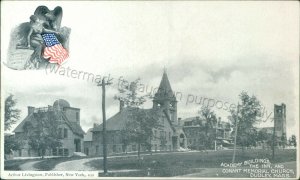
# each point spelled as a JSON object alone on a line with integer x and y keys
{"x": 54, "y": 50}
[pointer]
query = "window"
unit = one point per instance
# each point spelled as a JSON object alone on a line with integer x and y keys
{"x": 97, "y": 150}
{"x": 65, "y": 132}
{"x": 114, "y": 148}
{"x": 170, "y": 136}
{"x": 86, "y": 151}
{"x": 77, "y": 116}
{"x": 133, "y": 147}
{"x": 60, "y": 132}
{"x": 54, "y": 152}
{"x": 60, "y": 152}
{"x": 113, "y": 139}
{"x": 66, "y": 152}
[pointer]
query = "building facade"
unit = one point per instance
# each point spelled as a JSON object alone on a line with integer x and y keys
{"x": 196, "y": 134}
{"x": 68, "y": 126}
{"x": 168, "y": 137}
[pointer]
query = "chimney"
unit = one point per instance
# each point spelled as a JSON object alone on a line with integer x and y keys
{"x": 179, "y": 120}
{"x": 121, "y": 105}
{"x": 30, "y": 110}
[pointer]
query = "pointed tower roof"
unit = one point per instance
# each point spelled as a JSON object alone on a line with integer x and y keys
{"x": 164, "y": 91}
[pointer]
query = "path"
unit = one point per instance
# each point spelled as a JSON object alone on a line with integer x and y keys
{"x": 75, "y": 165}
{"x": 80, "y": 164}
{"x": 29, "y": 166}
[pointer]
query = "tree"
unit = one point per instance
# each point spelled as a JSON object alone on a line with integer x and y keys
{"x": 11, "y": 114}
{"x": 11, "y": 144}
{"x": 125, "y": 139}
{"x": 45, "y": 134}
{"x": 283, "y": 140}
{"x": 210, "y": 122}
{"x": 264, "y": 137}
{"x": 140, "y": 124}
{"x": 249, "y": 115}
{"x": 128, "y": 94}
{"x": 292, "y": 141}
{"x": 139, "y": 127}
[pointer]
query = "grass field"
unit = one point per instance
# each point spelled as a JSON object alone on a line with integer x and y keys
{"x": 14, "y": 165}
{"x": 164, "y": 165}
{"x": 49, "y": 164}
{"x": 176, "y": 164}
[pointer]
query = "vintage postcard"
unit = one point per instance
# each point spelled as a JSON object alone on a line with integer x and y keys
{"x": 149, "y": 89}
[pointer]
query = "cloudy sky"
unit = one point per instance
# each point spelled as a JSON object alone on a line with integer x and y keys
{"x": 210, "y": 49}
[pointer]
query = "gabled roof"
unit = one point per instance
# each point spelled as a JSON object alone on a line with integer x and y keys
{"x": 119, "y": 120}
{"x": 75, "y": 128}
{"x": 30, "y": 118}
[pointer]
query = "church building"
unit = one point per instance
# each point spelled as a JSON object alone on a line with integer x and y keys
{"x": 169, "y": 137}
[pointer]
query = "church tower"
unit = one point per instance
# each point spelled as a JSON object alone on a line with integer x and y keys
{"x": 164, "y": 98}
{"x": 280, "y": 120}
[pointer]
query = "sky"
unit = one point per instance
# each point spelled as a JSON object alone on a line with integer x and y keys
{"x": 212, "y": 50}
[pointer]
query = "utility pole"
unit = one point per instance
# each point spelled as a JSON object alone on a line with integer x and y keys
{"x": 235, "y": 133}
{"x": 103, "y": 84}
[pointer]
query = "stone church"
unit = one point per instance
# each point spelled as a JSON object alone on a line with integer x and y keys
{"x": 169, "y": 137}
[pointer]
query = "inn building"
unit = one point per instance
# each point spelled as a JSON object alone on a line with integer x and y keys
{"x": 68, "y": 124}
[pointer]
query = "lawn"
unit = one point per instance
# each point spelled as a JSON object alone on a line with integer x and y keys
{"x": 43, "y": 165}
{"x": 14, "y": 165}
{"x": 49, "y": 164}
{"x": 176, "y": 164}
